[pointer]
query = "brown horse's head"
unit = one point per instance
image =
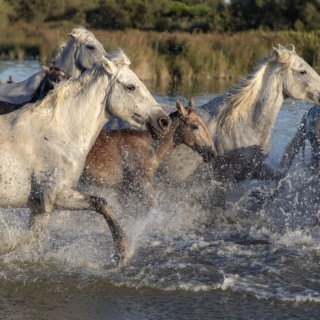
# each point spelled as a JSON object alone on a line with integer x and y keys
{"x": 52, "y": 76}
{"x": 192, "y": 132}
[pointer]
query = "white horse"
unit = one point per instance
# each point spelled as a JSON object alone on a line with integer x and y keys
{"x": 241, "y": 119}
{"x": 80, "y": 52}
{"x": 44, "y": 145}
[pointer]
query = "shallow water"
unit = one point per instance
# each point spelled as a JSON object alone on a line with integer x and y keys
{"x": 188, "y": 261}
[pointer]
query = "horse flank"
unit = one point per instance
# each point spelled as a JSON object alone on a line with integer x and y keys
{"x": 241, "y": 99}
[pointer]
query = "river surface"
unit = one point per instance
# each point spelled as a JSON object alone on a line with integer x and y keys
{"x": 188, "y": 260}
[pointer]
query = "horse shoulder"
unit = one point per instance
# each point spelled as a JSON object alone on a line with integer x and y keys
{"x": 103, "y": 164}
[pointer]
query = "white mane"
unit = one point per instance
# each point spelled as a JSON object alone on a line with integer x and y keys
{"x": 72, "y": 87}
{"x": 242, "y": 97}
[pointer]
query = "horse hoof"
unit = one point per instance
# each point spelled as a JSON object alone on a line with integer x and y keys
{"x": 119, "y": 259}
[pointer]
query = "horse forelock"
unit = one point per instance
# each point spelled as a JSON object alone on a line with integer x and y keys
{"x": 119, "y": 58}
{"x": 283, "y": 55}
{"x": 241, "y": 98}
{"x": 80, "y": 33}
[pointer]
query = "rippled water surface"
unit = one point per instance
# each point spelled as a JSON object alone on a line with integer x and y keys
{"x": 188, "y": 260}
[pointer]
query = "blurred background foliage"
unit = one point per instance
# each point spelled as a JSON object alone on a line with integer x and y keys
{"x": 190, "y": 43}
{"x": 169, "y": 15}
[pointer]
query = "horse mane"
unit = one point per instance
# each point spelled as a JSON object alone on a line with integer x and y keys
{"x": 72, "y": 87}
{"x": 241, "y": 98}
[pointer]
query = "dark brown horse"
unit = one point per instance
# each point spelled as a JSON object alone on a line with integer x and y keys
{"x": 127, "y": 159}
{"x": 52, "y": 76}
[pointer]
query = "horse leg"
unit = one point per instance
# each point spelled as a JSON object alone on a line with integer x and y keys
{"x": 295, "y": 144}
{"x": 148, "y": 194}
{"x": 75, "y": 200}
{"x": 40, "y": 204}
{"x": 315, "y": 151}
{"x": 264, "y": 172}
{"x": 69, "y": 199}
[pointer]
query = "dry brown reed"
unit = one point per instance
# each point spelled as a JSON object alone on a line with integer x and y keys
{"x": 164, "y": 59}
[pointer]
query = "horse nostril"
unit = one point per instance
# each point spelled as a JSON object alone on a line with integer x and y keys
{"x": 163, "y": 123}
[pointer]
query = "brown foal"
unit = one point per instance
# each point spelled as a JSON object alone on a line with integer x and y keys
{"x": 129, "y": 159}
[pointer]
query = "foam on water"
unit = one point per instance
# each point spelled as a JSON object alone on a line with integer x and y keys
{"x": 179, "y": 246}
{"x": 186, "y": 244}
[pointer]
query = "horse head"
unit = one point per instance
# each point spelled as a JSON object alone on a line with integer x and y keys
{"x": 301, "y": 81}
{"x": 129, "y": 99}
{"x": 80, "y": 52}
{"x": 53, "y": 75}
{"x": 192, "y": 132}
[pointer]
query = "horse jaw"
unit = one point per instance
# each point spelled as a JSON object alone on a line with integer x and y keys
{"x": 302, "y": 82}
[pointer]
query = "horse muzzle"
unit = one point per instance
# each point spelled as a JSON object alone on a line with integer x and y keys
{"x": 159, "y": 126}
{"x": 207, "y": 153}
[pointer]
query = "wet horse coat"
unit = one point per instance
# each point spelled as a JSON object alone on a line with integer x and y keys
{"x": 44, "y": 145}
{"x": 52, "y": 76}
{"x": 129, "y": 159}
{"x": 80, "y": 52}
{"x": 308, "y": 129}
{"x": 240, "y": 120}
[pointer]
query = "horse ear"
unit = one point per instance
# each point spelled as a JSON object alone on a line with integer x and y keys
{"x": 281, "y": 50}
{"x": 191, "y": 105}
{"x": 181, "y": 109}
{"x": 76, "y": 32}
{"x": 73, "y": 34}
{"x": 108, "y": 65}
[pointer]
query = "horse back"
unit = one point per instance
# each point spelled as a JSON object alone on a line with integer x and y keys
{"x": 20, "y": 92}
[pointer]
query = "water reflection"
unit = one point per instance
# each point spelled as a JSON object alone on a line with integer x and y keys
{"x": 20, "y": 70}
{"x": 191, "y": 89}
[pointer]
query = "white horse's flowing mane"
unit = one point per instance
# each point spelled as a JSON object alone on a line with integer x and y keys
{"x": 241, "y": 98}
{"x": 72, "y": 87}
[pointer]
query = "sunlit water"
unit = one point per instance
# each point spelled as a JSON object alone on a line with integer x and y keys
{"x": 188, "y": 260}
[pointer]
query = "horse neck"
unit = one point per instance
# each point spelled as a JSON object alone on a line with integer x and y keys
{"x": 262, "y": 115}
{"x": 267, "y": 106}
{"x": 66, "y": 60}
{"x": 83, "y": 115}
{"x": 169, "y": 142}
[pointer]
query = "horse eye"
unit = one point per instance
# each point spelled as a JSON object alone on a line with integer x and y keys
{"x": 194, "y": 127}
{"x": 130, "y": 87}
{"x": 90, "y": 46}
{"x": 303, "y": 72}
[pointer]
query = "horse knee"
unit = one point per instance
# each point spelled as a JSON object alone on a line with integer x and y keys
{"x": 119, "y": 240}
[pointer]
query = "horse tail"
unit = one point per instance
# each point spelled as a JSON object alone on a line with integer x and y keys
{"x": 298, "y": 142}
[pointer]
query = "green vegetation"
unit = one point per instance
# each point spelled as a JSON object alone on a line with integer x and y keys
{"x": 200, "y": 61}
{"x": 193, "y": 43}
{"x": 169, "y": 15}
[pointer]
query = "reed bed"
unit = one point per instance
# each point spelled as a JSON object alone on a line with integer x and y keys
{"x": 169, "y": 59}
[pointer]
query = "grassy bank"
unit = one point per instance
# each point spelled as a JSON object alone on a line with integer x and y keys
{"x": 175, "y": 59}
